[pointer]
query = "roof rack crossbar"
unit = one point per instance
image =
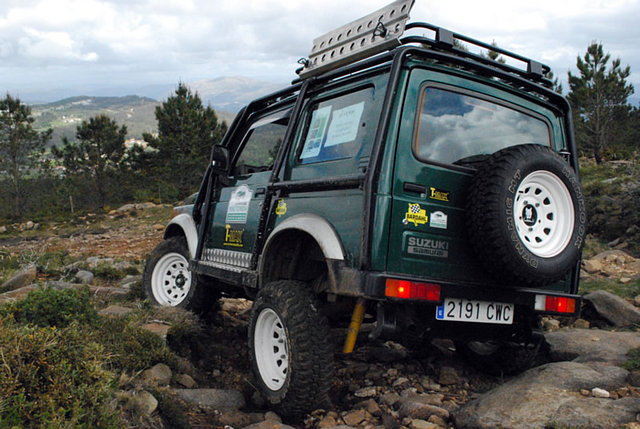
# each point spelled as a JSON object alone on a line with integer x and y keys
{"x": 445, "y": 39}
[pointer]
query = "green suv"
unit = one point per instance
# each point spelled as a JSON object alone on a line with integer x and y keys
{"x": 400, "y": 177}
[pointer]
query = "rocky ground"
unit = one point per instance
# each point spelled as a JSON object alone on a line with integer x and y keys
{"x": 382, "y": 384}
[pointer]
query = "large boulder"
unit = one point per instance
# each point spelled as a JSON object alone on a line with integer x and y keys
{"x": 549, "y": 395}
{"x": 613, "y": 309}
{"x": 22, "y": 278}
{"x": 591, "y": 345}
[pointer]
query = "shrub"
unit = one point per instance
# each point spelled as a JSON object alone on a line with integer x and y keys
{"x": 53, "y": 377}
{"x": 108, "y": 272}
{"x": 633, "y": 363}
{"x": 51, "y": 307}
{"x": 131, "y": 348}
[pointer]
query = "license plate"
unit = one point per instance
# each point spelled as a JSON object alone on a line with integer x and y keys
{"x": 463, "y": 310}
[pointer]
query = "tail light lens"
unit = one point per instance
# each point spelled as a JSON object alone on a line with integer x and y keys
{"x": 406, "y": 289}
{"x": 555, "y": 304}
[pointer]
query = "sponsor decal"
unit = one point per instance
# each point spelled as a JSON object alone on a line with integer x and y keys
{"x": 233, "y": 237}
{"x": 416, "y": 215}
{"x": 281, "y": 208}
{"x": 428, "y": 247}
{"x": 239, "y": 205}
{"x": 438, "y": 220}
{"x": 439, "y": 194}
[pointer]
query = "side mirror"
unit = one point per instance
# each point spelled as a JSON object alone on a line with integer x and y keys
{"x": 220, "y": 159}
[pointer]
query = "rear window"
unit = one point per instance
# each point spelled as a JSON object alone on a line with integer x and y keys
{"x": 456, "y": 128}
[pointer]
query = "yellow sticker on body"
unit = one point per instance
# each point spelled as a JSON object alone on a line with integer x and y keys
{"x": 281, "y": 208}
{"x": 233, "y": 237}
{"x": 416, "y": 215}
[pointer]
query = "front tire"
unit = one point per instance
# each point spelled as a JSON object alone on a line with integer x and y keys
{"x": 167, "y": 280}
{"x": 289, "y": 348}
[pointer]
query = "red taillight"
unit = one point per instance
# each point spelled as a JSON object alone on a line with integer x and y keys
{"x": 406, "y": 289}
{"x": 556, "y": 304}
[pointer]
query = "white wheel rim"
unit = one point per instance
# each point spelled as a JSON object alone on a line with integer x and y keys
{"x": 171, "y": 279}
{"x": 271, "y": 349}
{"x": 543, "y": 213}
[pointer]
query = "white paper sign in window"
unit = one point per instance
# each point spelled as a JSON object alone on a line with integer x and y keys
{"x": 313, "y": 144}
{"x": 344, "y": 124}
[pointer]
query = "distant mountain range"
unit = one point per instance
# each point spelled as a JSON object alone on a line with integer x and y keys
{"x": 226, "y": 95}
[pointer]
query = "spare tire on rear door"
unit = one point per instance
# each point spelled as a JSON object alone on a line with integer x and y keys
{"x": 526, "y": 215}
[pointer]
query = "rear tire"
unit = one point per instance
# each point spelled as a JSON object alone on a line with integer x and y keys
{"x": 289, "y": 347}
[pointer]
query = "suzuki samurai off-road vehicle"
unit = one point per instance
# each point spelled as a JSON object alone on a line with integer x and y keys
{"x": 406, "y": 178}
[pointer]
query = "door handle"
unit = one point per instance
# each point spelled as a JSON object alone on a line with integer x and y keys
{"x": 260, "y": 191}
{"x": 414, "y": 187}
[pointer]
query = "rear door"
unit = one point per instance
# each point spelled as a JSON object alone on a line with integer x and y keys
{"x": 450, "y": 125}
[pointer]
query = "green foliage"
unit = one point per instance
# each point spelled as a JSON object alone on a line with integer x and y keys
{"x": 20, "y": 147}
{"x": 98, "y": 150}
{"x": 131, "y": 348}
{"x": 51, "y": 307}
{"x": 628, "y": 290}
{"x": 108, "y": 272}
{"x": 54, "y": 378}
{"x": 633, "y": 363}
{"x": 186, "y": 133}
{"x": 598, "y": 97}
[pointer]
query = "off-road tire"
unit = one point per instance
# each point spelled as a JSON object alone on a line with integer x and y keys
{"x": 304, "y": 384}
{"x": 201, "y": 298}
{"x": 526, "y": 215}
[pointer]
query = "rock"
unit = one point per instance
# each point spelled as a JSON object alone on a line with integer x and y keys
{"x": 219, "y": 399}
{"x": 401, "y": 382}
{"x": 3, "y": 229}
{"x": 84, "y": 277}
{"x": 353, "y": 418}
{"x": 614, "y": 309}
{"x": 94, "y": 261}
{"x": 592, "y": 266}
{"x": 17, "y": 294}
{"x": 422, "y": 424}
{"x": 596, "y": 392}
{"x": 268, "y": 424}
{"x": 271, "y": 416}
{"x": 625, "y": 280}
{"x": 143, "y": 402}
{"x": 365, "y": 392}
{"x": 128, "y": 281}
{"x": 115, "y": 311}
{"x": 448, "y": 376}
{"x": 234, "y": 418}
{"x": 158, "y": 227}
{"x": 551, "y": 325}
{"x": 591, "y": 345}
{"x": 420, "y": 407}
{"x": 160, "y": 374}
{"x": 390, "y": 399}
{"x": 157, "y": 328}
{"x": 327, "y": 422}
{"x": 581, "y": 324}
{"x": 438, "y": 421}
{"x": 634, "y": 378}
{"x": 545, "y": 395}
{"x": 186, "y": 380}
{"x": 29, "y": 225}
{"x": 371, "y": 407}
{"x": 22, "y": 278}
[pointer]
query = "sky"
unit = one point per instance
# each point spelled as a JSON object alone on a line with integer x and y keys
{"x": 89, "y": 45}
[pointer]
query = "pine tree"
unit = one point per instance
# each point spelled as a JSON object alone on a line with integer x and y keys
{"x": 186, "y": 133}
{"x": 20, "y": 146}
{"x": 598, "y": 96}
{"x": 99, "y": 150}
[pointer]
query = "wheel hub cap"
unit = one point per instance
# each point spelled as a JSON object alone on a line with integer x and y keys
{"x": 544, "y": 215}
{"x": 171, "y": 279}
{"x": 271, "y": 349}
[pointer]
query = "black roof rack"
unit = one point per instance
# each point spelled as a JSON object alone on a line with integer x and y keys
{"x": 383, "y": 30}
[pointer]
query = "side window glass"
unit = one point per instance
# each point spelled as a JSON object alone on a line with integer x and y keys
{"x": 455, "y": 128}
{"x": 336, "y": 128}
{"x": 261, "y": 147}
